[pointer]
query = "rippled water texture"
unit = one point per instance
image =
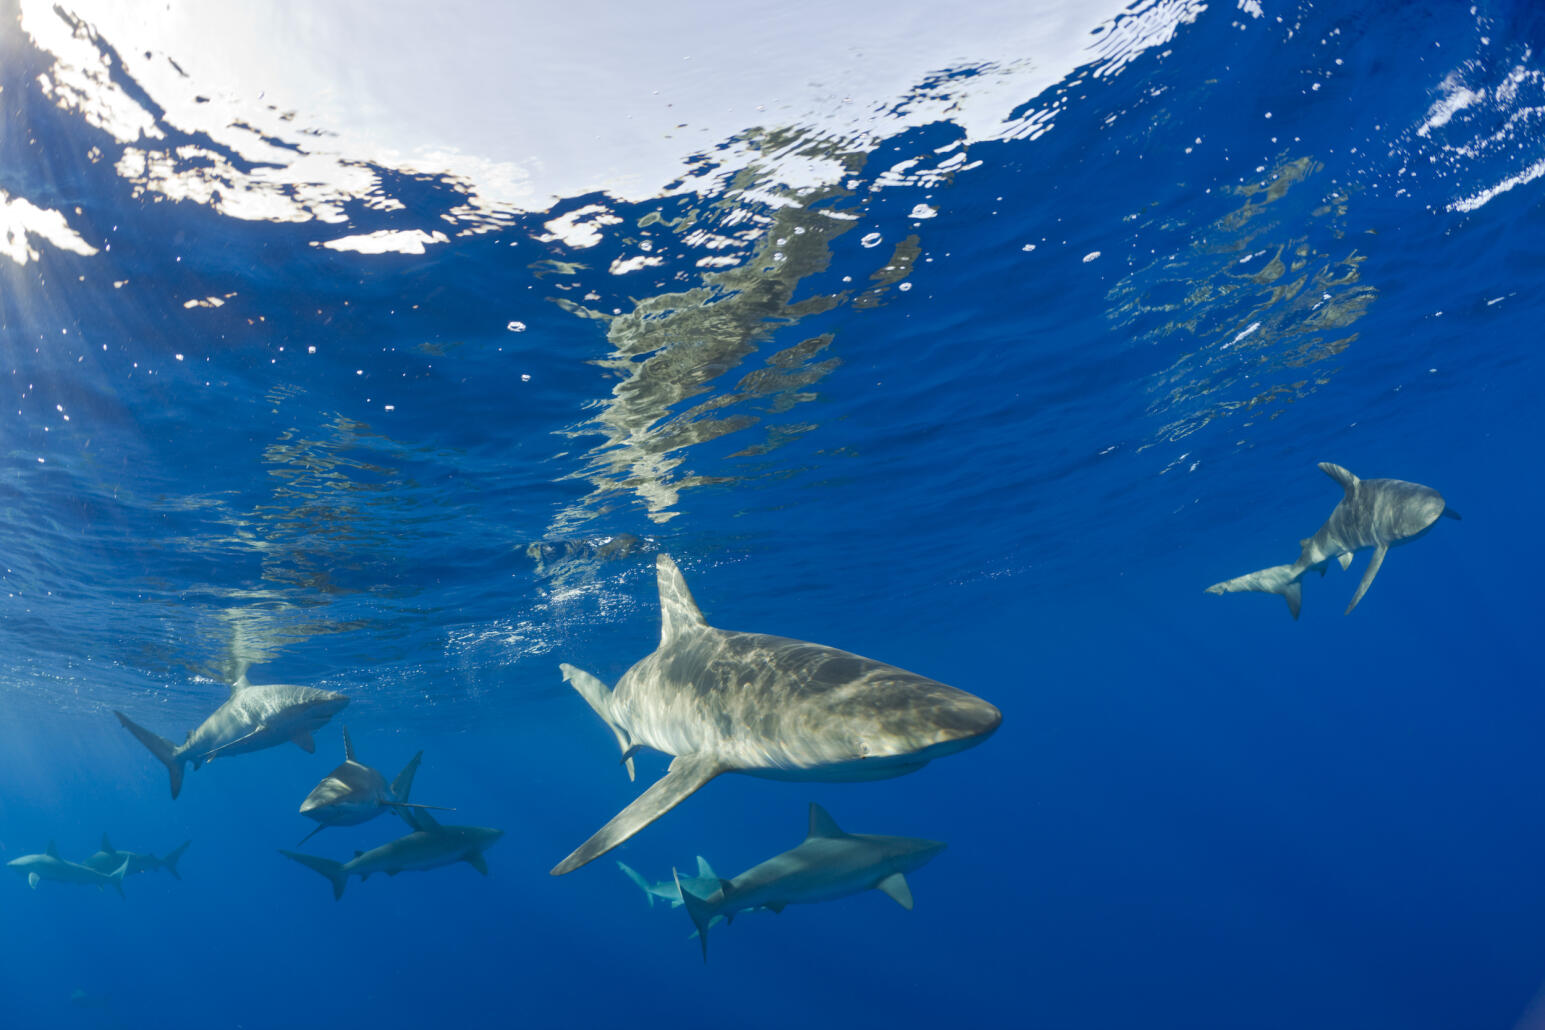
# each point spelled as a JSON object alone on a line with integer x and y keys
{"x": 381, "y": 347}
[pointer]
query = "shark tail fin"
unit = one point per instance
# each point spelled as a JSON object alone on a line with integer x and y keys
{"x": 162, "y": 748}
{"x": 170, "y": 861}
{"x": 326, "y": 866}
{"x": 684, "y": 777}
{"x": 1279, "y": 579}
{"x": 599, "y": 696}
{"x": 116, "y": 877}
{"x": 701, "y": 911}
{"x": 642, "y": 883}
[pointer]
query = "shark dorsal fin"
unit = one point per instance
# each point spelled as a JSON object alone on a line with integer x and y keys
{"x": 1346, "y": 479}
{"x": 704, "y": 870}
{"x": 348, "y": 746}
{"x": 822, "y": 824}
{"x": 107, "y": 845}
{"x": 240, "y": 684}
{"x": 679, "y": 614}
{"x": 53, "y": 850}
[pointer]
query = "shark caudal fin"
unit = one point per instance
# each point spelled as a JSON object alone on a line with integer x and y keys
{"x": 116, "y": 877}
{"x": 701, "y": 911}
{"x": 170, "y": 861}
{"x": 638, "y": 880}
{"x": 1279, "y": 579}
{"x": 162, "y": 748}
{"x": 686, "y": 774}
{"x": 599, "y": 697}
{"x": 326, "y": 866}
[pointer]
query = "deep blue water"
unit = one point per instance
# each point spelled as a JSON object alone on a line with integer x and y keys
{"x": 1013, "y": 468}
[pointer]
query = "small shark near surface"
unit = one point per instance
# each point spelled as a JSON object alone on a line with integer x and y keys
{"x": 254, "y": 717}
{"x": 355, "y": 793}
{"x": 109, "y": 858}
{"x": 1376, "y": 513}
{"x": 428, "y": 847}
{"x": 829, "y": 864}
{"x": 723, "y": 701}
{"x": 49, "y": 866}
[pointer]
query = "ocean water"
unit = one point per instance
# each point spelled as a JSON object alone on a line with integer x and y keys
{"x": 381, "y": 351}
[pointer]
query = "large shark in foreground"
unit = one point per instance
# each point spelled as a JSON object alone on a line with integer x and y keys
{"x": 49, "y": 866}
{"x": 1376, "y": 513}
{"x": 354, "y": 793}
{"x": 109, "y": 858}
{"x": 254, "y": 717}
{"x": 428, "y": 847}
{"x": 722, "y": 701}
{"x": 829, "y": 864}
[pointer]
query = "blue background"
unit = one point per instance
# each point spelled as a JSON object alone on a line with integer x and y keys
{"x": 1018, "y": 478}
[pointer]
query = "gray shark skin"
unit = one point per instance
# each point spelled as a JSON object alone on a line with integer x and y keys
{"x": 109, "y": 858}
{"x": 723, "y": 701}
{"x": 49, "y": 866}
{"x": 254, "y": 717}
{"x": 703, "y": 884}
{"x": 355, "y": 793}
{"x": 428, "y": 847}
{"x": 1376, "y": 513}
{"x": 829, "y": 864}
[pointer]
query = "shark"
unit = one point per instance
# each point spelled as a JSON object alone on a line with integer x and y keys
{"x": 704, "y": 883}
{"x": 49, "y": 866}
{"x": 723, "y": 701}
{"x": 428, "y": 847}
{"x": 1376, "y": 513}
{"x": 253, "y": 717}
{"x": 354, "y": 793}
{"x": 828, "y": 864}
{"x": 109, "y": 858}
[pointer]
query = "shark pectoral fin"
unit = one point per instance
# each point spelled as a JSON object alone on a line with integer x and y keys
{"x": 307, "y": 837}
{"x": 478, "y": 862}
{"x": 1345, "y": 560}
{"x": 1372, "y": 570}
{"x": 305, "y": 741}
{"x": 701, "y": 911}
{"x": 402, "y": 786}
{"x": 1293, "y": 594}
{"x": 896, "y": 886}
{"x": 32, "y": 880}
{"x": 686, "y": 774}
{"x": 599, "y": 697}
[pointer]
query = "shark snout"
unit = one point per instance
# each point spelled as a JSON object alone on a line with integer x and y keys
{"x": 972, "y": 719}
